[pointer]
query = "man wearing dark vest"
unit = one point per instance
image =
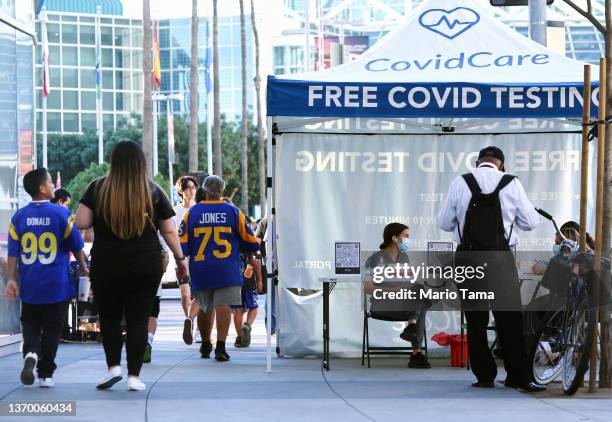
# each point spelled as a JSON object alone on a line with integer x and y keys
{"x": 484, "y": 210}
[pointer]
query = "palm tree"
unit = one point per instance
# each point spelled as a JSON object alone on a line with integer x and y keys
{"x": 244, "y": 164}
{"x": 193, "y": 90}
{"x": 147, "y": 103}
{"x": 261, "y": 142}
{"x": 217, "y": 159}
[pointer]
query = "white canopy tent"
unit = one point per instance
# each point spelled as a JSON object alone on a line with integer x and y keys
{"x": 421, "y": 102}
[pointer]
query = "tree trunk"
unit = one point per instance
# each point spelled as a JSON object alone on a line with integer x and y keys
{"x": 217, "y": 159}
{"x": 605, "y": 372}
{"x": 147, "y": 100}
{"x": 261, "y": 142}
{"x": 244, "y": 133}
{"x": 193, "y": 90}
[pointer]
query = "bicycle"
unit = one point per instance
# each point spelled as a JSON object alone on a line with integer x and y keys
{"x": 563, "y": 340}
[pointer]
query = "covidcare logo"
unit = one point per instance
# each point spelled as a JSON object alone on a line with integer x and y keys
{"x": 449, "y": 23}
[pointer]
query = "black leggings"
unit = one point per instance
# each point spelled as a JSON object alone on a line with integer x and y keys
{"x": 124, "y": 291}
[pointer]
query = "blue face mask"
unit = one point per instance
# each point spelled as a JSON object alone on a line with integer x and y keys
{"x": 404, "y": 245}
{"x": 556, "y": 249}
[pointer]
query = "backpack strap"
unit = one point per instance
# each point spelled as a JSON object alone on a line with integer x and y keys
{"x": 505, "y": 180}
{"x": 472, "y": 184}
{"x": 470, "y": 180}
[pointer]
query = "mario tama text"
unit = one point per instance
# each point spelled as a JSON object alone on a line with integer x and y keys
{"x": 431, "y": 294}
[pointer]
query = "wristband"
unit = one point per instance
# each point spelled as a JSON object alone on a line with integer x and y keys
{"x": 182, "y": 258}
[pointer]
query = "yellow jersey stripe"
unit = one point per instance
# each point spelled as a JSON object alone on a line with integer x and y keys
{"x": 183, "y": 229}
{"x": 246, "y": 236}
{"x": 69, "y": 227}
{"x": 12, "y": 232}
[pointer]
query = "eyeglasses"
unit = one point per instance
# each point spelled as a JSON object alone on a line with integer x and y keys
{"x": 190, "y": 187}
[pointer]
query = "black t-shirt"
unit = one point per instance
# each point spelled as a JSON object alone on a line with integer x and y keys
{"x": 106, "y": 243}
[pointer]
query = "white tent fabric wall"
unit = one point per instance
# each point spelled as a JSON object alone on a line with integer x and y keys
{"x": 416, "y": 113}
{"x": 405, "y": 182}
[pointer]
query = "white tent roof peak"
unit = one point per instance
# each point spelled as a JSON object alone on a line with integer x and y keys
{"x": 454, "y": 41}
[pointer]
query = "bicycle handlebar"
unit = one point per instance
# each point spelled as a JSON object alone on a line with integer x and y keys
{"x": 549, "y": 217}
{"x": 543, "y": 213}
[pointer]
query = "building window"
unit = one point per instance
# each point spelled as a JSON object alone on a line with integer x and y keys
{"x": 122, "y": 58}
{"x": 69, "y": 56}
{"x": 122, "y": 37}
{"x": 54, "y": 99}
{"x": 53, "y": 32}
{"x": 54, "y": 122}
{"x": 107, "y": 79}
{"x": 107, "y": 57}
{"x": 88, "y": 121}
{"x": 88, "y": 78}
{"x": 107, "y": 101}
{"x": 71, "y": 101}
{"x": 70, "y": 78}
{"x": 88, "y": 100}
{"x": 69, "y": 34}
{"x": 71, "y": 122}
{"x": 88, "y": 56}
{"x": 106, "y": 35}
{"x": 87, "y": 34}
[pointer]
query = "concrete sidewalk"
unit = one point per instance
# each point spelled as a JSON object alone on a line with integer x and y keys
{"x": 182, "y": 387}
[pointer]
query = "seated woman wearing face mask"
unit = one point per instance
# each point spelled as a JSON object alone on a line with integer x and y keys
{"x": 393, "y": 250}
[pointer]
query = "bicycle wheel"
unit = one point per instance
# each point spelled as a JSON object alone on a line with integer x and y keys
{"x": 545, "y": 357}
{"x": 578, "y": 344}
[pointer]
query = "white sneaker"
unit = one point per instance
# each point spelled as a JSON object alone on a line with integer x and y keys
{"x": 134, "y": 384}
{"x": 27, "y": 373}
{"x": 112, "y": 377}
{"x": 46, "y": 382}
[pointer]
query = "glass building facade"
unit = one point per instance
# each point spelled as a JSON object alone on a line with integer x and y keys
{"x": 71, "y": 105}
{"x": 175, "y": 57}
{"x": 16, "y": 136}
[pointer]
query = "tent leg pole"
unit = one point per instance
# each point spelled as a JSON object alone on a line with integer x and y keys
{"x": 601, "y": 143}
{"x": 270, "y": 244}
{"x": 584, "y": 165}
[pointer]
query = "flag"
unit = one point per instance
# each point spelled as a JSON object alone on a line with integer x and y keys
{"x": 156, "y": 63}
{"x": 208, "y": 59}
{"x": 45, "y": 54}
{"x": 98, "y": 60}
{"x": 58, "y": 181}
{"x": 38, "y": 5}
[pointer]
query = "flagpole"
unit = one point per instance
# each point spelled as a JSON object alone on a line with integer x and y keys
{"x": 155, "y": 153}
{"x": 169, "y": 120}
{"x": 156, "y": 87}
{"x": 209, "y": 100}
{"x": 209, "y": 152}
{"x": 45, "y": 65}
{"x": 44, "y": 131}
{"x": 99, "y": 121}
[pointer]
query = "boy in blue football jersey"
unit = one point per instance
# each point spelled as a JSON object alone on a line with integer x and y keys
{"x": 41, "y": 235}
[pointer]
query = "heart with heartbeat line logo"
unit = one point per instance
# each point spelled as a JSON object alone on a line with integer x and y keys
{"x": 449, "y": 23}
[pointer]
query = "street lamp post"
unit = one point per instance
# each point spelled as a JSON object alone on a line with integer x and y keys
{"x": 157, "y": 98}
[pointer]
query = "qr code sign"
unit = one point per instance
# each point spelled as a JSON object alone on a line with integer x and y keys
{"x": 347, "y": 255}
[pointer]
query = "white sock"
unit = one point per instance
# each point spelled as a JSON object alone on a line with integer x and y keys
{"x": 151, "y": 338}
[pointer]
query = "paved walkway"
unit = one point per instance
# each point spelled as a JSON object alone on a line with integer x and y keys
{"x": 183, "y": 387}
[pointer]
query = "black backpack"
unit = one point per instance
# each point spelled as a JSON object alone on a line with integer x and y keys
{"x": 483, "y": 229}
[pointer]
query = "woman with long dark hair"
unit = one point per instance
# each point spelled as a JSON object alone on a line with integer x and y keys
{"x": 393, "y": 250}
{"x": 126, "y": 209}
